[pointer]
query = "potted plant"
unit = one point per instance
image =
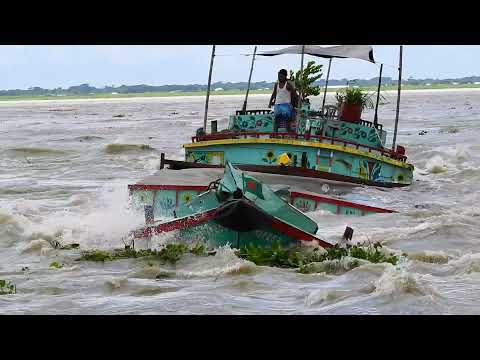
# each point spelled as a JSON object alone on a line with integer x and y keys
{"x": 352, "y": 101}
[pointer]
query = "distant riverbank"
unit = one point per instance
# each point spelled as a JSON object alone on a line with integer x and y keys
{"x": 224, "y": 92}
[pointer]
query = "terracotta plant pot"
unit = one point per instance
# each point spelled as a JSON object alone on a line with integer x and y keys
{"x": 350, "y": 112}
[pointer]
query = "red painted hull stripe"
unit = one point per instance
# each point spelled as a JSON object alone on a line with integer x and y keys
{"x": 297, "y": 233}
{"x": 176, "y": 224}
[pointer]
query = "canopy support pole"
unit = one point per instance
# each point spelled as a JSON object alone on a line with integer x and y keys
{"x": 375, "y": 119}
{"x": 249, "y": 80}
{"x": 398, "y": 98}
{"x": 300, "y": 82}
{"x": 208, "y": 91}
{"x": 326, "y": 84}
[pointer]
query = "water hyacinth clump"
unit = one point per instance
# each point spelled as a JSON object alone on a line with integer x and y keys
{"x": 7, "y": 287}
{"x": 56, "y": 265}
{"x": 275, "y": 255}
{"x": 170, "y": 253}
{"x": 300, "y": 257}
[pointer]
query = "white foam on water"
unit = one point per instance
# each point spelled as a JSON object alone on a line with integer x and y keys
{"x": 224, "y": 262}
{"x": 101, "y": 223}
{"x": 436, "y": 165}
{"x": 466, "y": 264}
{"x": 397, "y": 280}
{"x": 151, "y": 164}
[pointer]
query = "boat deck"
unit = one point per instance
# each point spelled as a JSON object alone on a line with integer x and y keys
{"x": 201, "y": 177}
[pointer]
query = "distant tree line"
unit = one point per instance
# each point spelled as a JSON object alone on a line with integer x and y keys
{"x": 86, "y": 89}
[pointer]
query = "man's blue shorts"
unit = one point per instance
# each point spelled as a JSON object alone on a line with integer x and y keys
{"x": 283, "y": 111}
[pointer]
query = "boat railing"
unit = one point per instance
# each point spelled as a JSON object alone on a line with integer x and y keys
{"x": 313, "y": 114}
{"x": 308, "y": 137}
{"x": 366, "y": 123}
{"x": 253, "y": 112}
{"x": 371, "y": 124}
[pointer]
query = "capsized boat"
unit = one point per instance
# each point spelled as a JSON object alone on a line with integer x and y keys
{"x": 238, "y": 209}
{"x": 326, "y": 145}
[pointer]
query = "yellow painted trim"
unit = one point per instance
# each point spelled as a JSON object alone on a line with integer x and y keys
{"x": 344, "y": 149}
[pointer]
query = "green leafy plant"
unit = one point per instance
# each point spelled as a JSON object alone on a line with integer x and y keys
{"x": 304, "y": 80}
{"x": 272, "y": 256}
{"x": 7, "y": 287}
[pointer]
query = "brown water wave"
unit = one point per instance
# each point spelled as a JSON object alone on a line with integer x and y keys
{"x": 124, "y": 148}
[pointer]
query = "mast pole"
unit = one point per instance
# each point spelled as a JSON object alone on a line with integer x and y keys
{"x": 375, "y": 118}
{"x": 300, "y": 82}
{"x": 208, "y": 91}
{"x": 398, "y": 97}
{"x": 249, "y": 80}
{"x": 326, "y": 84}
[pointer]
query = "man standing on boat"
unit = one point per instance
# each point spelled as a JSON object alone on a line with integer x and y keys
{"x": 284, "y": 98}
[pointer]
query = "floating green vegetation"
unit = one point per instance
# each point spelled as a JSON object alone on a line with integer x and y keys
{"x": 7, "y": 287}
{"x": 304, "y": 259}
{"x": 450, "y": 130}
{"x": 277, "y": 256}
{"x": 170, "y": 253}
{"x": 56, "y": 265}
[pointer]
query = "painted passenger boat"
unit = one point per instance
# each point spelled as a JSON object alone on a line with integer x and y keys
{"x": 324, "y": 145}
{"x": 237, "y": 208}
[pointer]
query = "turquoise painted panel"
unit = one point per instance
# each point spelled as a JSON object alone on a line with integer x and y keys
{"x": 324, "y": 160}
{"x": 205, "y": 157}
{"x": 262, "y": 123}
{"x": 346, "y": 210}
{"x": 328, "y": 207}
{"x": 199, "y": 204}
{"x": 342, "y": 165}
{"x": 304, "y": 205}
{"x": 165, "y": 202}
{"x": 307, "y": 205}
{"x": 185, "y": 197}
{"x": 215, "y": 235}
{"x": 140, "y": 198}
{"x": 355, "y": 133}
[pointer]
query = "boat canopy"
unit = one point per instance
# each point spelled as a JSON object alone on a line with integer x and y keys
{"x": 362, "y": 52}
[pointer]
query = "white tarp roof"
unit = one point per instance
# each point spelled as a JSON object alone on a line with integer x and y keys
{"x": 362, "y": 52}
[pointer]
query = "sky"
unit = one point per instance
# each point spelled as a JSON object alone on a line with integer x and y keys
{"x": 52, "y": 66}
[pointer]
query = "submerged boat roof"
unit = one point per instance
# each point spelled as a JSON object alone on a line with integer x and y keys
{"x": 362, "y": 52}
{"x": 203, "y": 176}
